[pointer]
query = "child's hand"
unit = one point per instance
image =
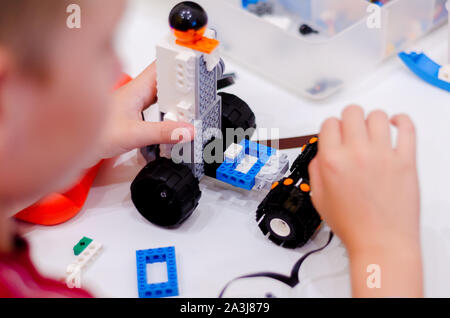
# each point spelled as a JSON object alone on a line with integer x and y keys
{"x": 126, "y": 129}
{"x": 367, "y": 191}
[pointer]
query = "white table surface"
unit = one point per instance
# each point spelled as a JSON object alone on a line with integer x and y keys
{"x": 221, "y": 240}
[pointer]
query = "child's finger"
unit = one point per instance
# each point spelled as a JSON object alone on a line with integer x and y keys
{"x": 316, "y": 182}
{"x": 167, "y": 132}
{"x": 406, "y": 137}
{"x": 330, "y": 134}
{"x": 378, "y": 128}
{"x": 354, "y": 128}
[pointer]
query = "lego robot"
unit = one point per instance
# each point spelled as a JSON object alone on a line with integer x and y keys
{"x": 166, "y": 191}
{"x": 190, "y": 71}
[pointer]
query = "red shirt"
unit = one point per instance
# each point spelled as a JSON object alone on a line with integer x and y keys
{"x": 20, "y": 279}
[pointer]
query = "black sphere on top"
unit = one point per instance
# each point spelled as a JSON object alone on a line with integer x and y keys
{"x": 188, "y": 15}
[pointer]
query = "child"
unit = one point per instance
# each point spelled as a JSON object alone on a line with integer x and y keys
{"x": 58, "y": 117}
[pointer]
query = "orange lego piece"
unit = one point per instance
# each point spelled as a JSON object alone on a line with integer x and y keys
{"x": 205, "y": 45}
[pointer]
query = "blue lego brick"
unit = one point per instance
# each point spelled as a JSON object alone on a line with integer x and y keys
{"x": 227, "y": 171}
{"x": 259, "y": 151}
{"x": 245, "y": 3}
{"x": 158, "y": 255}
{"x": 425, "y": 68}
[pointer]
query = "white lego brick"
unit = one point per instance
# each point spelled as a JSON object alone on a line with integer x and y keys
{"x": 176, "y": 74}
{"x": 233, "y": 152}
{"x": 246, "y": 164}
{"x": 210, "y": 34}
{"x": 74, "y": 270}
{"x": 185, "y": 71}
{"x": 185, "y": 111}
{"x": 444, "y": 73}
{"x": 212, "y": 59}
{"x": 275, "y": 168}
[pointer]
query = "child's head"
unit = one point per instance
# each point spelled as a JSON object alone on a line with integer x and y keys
{"x": 55, "y": 84}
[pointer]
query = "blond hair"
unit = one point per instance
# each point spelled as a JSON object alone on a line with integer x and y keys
{"x": 26, "y": 27}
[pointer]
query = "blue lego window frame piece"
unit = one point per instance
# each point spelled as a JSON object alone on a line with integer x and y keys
{"x": 425, "y": 68}
{"x": 151, "y": 256}
{"x": 227, "y": 170}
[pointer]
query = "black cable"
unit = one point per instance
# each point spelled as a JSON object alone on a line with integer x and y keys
{"x": 292, "y": 280}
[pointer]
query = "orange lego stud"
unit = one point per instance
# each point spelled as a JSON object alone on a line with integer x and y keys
{"x": 275, "y": 185}
{"x": 313, "y": 140}
{"x": 288, "y": 182}
{"x": 305, "y": 187}
{"x": 303, "y": 148}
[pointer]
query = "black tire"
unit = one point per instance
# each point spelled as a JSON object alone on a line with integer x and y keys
{"x": 235, "y": 114}
{"x": 165, "y": 193}
{"x": 291, "y": 208}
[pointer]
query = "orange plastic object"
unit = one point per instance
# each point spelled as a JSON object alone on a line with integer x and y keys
{"x": 305, "y": 188}
{"x": 205, "y": 45}
{"x": 190, "y": 36}
{"x": 58, "y": 208}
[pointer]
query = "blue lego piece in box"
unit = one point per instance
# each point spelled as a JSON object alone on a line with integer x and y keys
{"x": 245, "y": 3}
{"x": 227, "y": 171}
{"x": 157, "y": 255}
{"x": 425, "y": 68}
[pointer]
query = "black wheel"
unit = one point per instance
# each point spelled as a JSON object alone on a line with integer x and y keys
{"x": 288, "y": 215}
{"x": 165, "y": 193}
{"x": 236, "y": 114}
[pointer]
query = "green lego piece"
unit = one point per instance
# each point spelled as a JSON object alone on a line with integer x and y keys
{"x": 82, "y": 244}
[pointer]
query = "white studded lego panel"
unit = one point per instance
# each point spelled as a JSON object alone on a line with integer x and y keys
{"x": 176, "y": 78}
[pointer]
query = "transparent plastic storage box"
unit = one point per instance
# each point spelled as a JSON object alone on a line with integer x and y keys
{"x": 348, "y": 46}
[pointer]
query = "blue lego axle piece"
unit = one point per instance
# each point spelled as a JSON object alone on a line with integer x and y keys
{"x": 227, "y": 171}
{"x": 158, "y": 255}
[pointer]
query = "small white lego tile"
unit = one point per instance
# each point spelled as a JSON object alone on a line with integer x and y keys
{"x": 246, "y": 164}
{"x": 233, "y": 152}
{"x": 210, "y": 34}
{"x": 444, "y": 73}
